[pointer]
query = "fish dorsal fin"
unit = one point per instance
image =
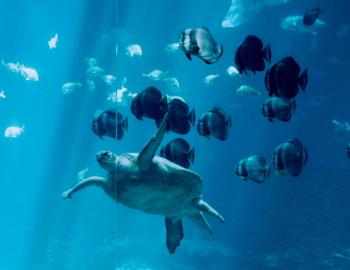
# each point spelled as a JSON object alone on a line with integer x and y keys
{"x": 145, "y": 158}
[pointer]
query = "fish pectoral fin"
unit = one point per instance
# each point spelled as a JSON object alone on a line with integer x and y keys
{"x": 188, "y": 56}
{"x": 174, "y": 233}
{"x": 198, "y": 218}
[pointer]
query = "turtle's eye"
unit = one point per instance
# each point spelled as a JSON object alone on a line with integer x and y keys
{"x": 106, "y": 154}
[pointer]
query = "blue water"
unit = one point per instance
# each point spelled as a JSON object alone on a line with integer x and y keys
{"x": 285, "y": 223}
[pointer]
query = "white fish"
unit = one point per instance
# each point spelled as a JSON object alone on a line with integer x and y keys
{"x": 172, "y": 47}
{"x": 240, "y": 11}
{"x": 109, "y": 79}
{"x": 53, "y": 42}
{"x": 70, "y": 86}
{"x": 341, "y": 126}
{"x": 209, "y": 80}
{"x": 91, "y": 61}
{"x": 94, "y": 71}
{"x": 155, "y": 75}
{"x": 246, "y": 90}
{"x": 13, "y": 131}
{"x": 172, "y": 82}
{"x": 13, "y": 67}
{"x": 2, "y": 94}
{"x": 133, "y": 50}
{"x": 117, "y": 96}
{"x": 81, "y": 174}
{"x": 232, "y": 71}
{"x": 295, "y": 23}
{"x": 91, "y": 85}
{"x": 29, "y": 74}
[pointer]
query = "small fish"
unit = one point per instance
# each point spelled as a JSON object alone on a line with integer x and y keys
{"x": 13, "y": 131}
{"x": 290, "y": 158}
{"x": 53, "y": 42}
{"x": 94, "y": 72}
{"x": 253, "y": 168}
{"x": 201, "y": 43}
{"x": 109, "y": 79}
{"x": 81, "y": 174}
{"x": 172, "y": 82}
{"x": 2, "y": 94}
{"x": 246, "y": 90}
{"x": 214, "y": 123}
{"x": 172, "y": 47}
{"x": 133, "y": 50}
{"x": 29, "y": 74}
{"x": 278, "y": 108}
{"x": 12, "y": 67}
{"x": 209, "y": 80}
{"x": 296, "y": 24}
{"x": 155, "y": 75}
{"x": 180, "y": 116}
{"x": 91, "y": 84}
{"x": 91, "y": 61}
{"x": 283, "y": 78}
{"x": 341, "y": 126}
{"x": 232, "y": 71}
{"x": 68, "y": 87}
{"x": 178, "y": 151}
{"x": 104, "y": 124}
{"x": 117, "y": 96}
{"x": 311, "y": 15}
{"x": 149, "y": 103}
{"x": 251, "y": 55}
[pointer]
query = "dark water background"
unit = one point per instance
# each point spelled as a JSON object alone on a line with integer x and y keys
{"x": 286, "y": 223}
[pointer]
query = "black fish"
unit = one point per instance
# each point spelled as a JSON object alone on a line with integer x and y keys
{"x": 290, "y": 157}
{"x": 250, "y": 55}
{"x": 149, "y": 103}
{"x": 253, "y": 168}
{"x": 214, "y": 123}
{"x": 283, "y": 80}
{"x": 200, "y": 42}
{"x": 178, "y": 151}
{"x": 311, "y": 15}
{"x": 180, "y": 116}
{"x": 278, "y": 108}
{"x": 104, "y": 124}
{"x": 348, "y": 150}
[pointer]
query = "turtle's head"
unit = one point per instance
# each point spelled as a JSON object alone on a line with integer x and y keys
{"x": 107, "y": 160}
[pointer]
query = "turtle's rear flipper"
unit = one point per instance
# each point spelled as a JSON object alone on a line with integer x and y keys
{"x": 174, "y": 233}
{"x": 203, "y": 206}
{"x": 198, "y": 218}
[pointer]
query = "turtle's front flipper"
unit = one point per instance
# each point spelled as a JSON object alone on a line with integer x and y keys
{"x": 203, "y": 206}
{"x": 146, "y": 155}
{"x": 90, "y": 181}
{"x": 174, "y": 233}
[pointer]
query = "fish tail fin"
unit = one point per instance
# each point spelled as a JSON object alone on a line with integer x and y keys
{"x": 294, "y": 105}
{"x": 125, "y": 123}
{"x": 188, "y": 56}
{"x": 192, "y": 117}
{"x": 191, "y": 155}
{"x": 164, "y": 103}
{"x": 267, "y": 53}
{"x": 229, "y": 121}
{"x": 267, "y": 172}
{"x": 303, "y": 79}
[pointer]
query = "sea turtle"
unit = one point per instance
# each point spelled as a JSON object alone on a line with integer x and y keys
{"x": 154, "y": 185}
